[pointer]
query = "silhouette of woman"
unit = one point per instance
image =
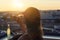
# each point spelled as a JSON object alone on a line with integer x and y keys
{"x": 32, "y": 18}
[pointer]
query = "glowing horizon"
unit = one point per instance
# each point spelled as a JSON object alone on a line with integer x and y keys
{"x": 21, "y": 5}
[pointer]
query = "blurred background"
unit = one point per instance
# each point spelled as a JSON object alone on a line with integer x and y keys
{"x": 12, "y": 10}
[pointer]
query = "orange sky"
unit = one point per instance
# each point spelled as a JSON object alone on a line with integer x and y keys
{"x": 11, "y": 5}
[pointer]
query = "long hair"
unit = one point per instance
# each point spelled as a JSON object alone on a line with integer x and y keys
{"x": 32, "y": 17}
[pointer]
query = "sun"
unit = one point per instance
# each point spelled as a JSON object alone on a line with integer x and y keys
{"x": 17, "y": 4}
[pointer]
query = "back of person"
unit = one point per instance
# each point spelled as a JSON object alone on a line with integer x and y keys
{"x": 32, "y": 18}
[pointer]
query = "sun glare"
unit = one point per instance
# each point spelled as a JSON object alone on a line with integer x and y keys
{"x": 17, "y": 4}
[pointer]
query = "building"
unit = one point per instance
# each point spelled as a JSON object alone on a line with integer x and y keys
{"x": 51, "y": 20}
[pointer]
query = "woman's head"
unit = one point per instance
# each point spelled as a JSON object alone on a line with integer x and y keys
{"x": 32, "y": 17}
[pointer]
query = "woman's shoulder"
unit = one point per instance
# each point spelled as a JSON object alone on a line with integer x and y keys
{"x": 25, "y": 36}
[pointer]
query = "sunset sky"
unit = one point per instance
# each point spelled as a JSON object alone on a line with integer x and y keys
{"x": 21, "y": 5}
